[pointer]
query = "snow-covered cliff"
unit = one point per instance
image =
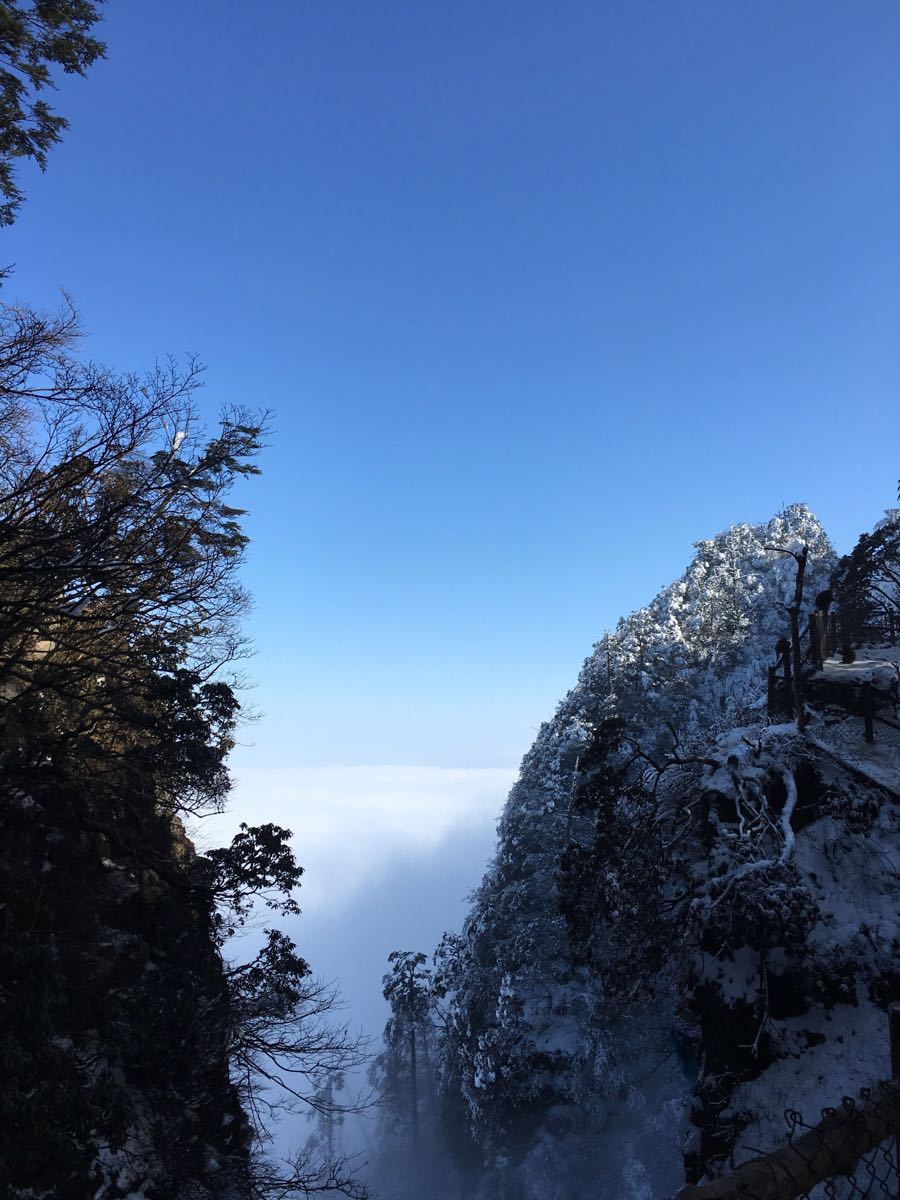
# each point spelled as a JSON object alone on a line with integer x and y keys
{"x": 688, "y": 922}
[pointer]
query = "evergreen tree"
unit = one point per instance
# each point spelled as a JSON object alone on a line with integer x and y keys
{"x": 866, "y": 583}
{"x": 34, "y": 39}
{"x": 404, "y": 1077}
{"x": 407, "y": 988}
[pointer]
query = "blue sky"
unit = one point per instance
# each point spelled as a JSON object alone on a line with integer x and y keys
{"x": 540, "y": 293}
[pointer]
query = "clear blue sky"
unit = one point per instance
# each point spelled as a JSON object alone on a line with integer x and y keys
{"x": 541, "y": 293}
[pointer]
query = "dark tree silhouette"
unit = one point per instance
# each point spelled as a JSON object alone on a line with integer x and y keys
{"x": 119, "y": 597}
{"x": 120, "y": 645}
{"x": 866, "y": 581}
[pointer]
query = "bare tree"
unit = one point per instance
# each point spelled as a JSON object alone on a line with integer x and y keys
{"x": 119, "y": 595}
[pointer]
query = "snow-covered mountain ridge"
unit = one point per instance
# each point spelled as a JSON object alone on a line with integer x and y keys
{"x": 689, "y": 922}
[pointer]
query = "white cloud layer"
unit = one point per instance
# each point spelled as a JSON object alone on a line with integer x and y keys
{"x": 349, "y": 822}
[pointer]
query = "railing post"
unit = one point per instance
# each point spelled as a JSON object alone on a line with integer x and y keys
{"x": 832, "y": 634}
{"x": 868, "y": 707}
{"x": 848, "y": 654}
{"x": 815, "y": 646}
{"x": 894, "y": 1026}
{"x": 893, "y": 1011}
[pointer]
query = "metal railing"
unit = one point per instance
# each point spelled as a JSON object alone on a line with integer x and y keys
{"x": 826, "y": 635}
{"x": 830, "y": 633}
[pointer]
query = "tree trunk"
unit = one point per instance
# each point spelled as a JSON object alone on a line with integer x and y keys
{"x": 794, "y": 611}
{"x": 330, "y": 1120}
{"x": 414, "y": 1088}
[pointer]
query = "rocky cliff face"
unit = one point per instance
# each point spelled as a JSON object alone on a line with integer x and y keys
{"x": 674, "y": 933}
{"x": 115, "y": 1022}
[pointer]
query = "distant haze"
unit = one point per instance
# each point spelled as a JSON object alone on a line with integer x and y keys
{"x": 389, "y": 855}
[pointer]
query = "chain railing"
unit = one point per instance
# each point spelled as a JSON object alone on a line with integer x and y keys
{"x": 851, "y": 1154}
